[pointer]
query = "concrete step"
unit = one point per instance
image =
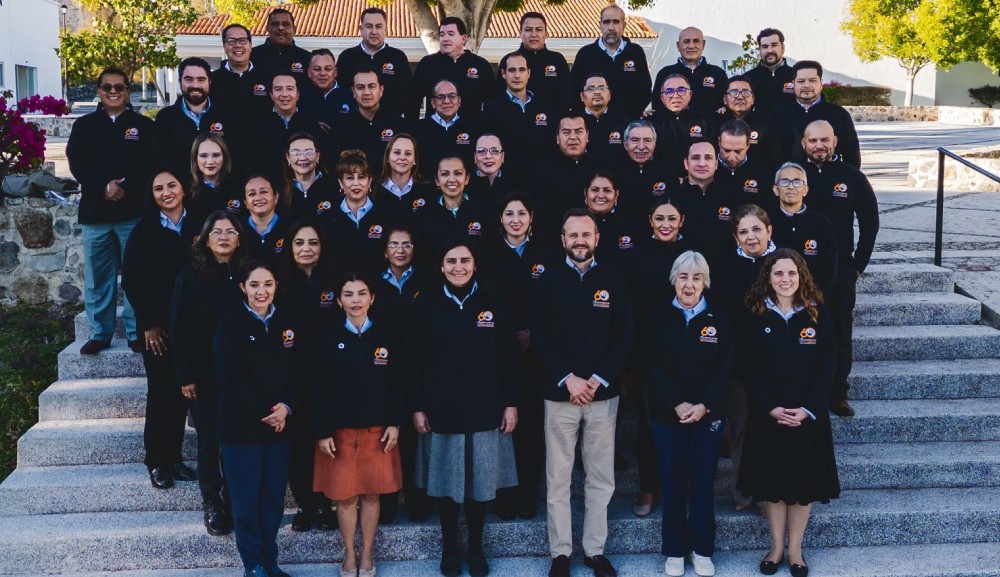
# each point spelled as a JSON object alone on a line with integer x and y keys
{"x": 116, "y": 362}
{"x": 93, "y": 399}
{"x": 897, "y": 309}
{"x": 125, "y": 487}
{"x": 160, "y": 540}
{"x": 935, "y": 379}
{"x": 920, "y": 420}
{"x": 913, "y": 343}
{"x": 891, "y": 278}
{"x": 977, "y": 560}
{"x": 82, "y": 325}
{"x": 88, "y": 442}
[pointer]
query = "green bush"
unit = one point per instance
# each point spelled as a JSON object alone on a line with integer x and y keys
{"x": 151, "y": 112}
{"x": 847, "y": 95}
{"x": 986, "y": 95}
{"x": 30, "y": 339}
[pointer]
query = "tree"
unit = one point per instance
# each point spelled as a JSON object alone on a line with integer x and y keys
{"x": 919, "y": 32}
{"x": 129, "y": 34}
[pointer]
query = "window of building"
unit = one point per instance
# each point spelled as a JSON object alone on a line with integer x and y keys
{"x": 26, "y": 78}
{"x": 2, "y": 83}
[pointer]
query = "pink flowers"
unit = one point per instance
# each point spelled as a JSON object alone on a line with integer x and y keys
{"x": 22, "y": 143}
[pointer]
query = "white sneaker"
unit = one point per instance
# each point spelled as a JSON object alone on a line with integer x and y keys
{"x": 702, "y": 565}
{"x": 674, "y": 566}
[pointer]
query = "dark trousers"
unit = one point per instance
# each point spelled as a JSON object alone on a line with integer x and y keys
{"x": 206, "y": 415}
{"x": 300, "y": 472}
{"x": 529, "y": 453}
{"x": 644, "y": 453}
{"x": 841, "y": 305}
{"x": 166, "y": 412}
{"x": 687, "y": 457}
{"x": 258, "y": 499}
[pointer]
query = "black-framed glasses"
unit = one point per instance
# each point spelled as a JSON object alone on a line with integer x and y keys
{"x": 443, "y": 97}
{"x": 242, "y": 41}
{"x": 114, "y": 87}
{"x": 228, "y": 233}
{"x": 746, "y": 92}
{"x": 679, "y": 91}
{"x": 791, "y": 182}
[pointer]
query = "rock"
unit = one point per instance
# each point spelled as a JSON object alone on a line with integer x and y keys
{"x": 63, "y": 227}
{"x": 32, "y": 290}
{"x": 35, "y": 227}
{"x": 8, "y": 257}
{"x": 4, "y": 218}
{"x": 48, "y": 262}
{"x": 69, "y": 293}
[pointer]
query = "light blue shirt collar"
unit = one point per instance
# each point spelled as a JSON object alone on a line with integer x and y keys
{"x": 361, "y": 211}
{"x": 693, "y": 312}
{"x": 685, "y": 64}
{"x": 196, "y": 117}
{"x": 771, "y": 247}
{"x": 442, "y": 122}
{"x": 283, "y": 119}
{"x": 298, "y": 185}
{"x": 461, "y": 302}
{"x": 519, "y": 249}
{"x": 614, "y": 54}
{"x": 572, "y": 265}
{"x": 770, "y": 304}
{"x": 354, "y": 330}
{"x": 453, "y": 211}
{"x": 165, "y": 222}
{"x": 391, "y": 278}
{"x": 397, "y": 191}
{"x": 267, "y": 230}
{"x": 266, "y": 319}
{"x": 518, "y": 101}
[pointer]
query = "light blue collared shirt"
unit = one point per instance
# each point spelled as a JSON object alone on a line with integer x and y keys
{"x": 240, "y": 74}
{"x": 518, "y": 101}
{"x": 283, "y": 119}
{"x": 196, "y": 117}
{"x": 165, "y": 222}
{"x": 361, "y": 211}
{"x": 353, "y": 329}
{"x": 519, "y": 249}
{"x": 810, "y": 105}
{"x": 786, "y": 213}
{"x": 608, "y": 51}
{"x": 366, "y": 51}
{"x": 572, "y": 265}
{"x": 453, "y": 211}
{"x": 265, "y": 319}
{"x": 267, "y": 230}
{"x": 445, "y": 123}
{"x": 298, "y": 185}
{"x": 397, "y": 191}
{"x": 683, "y": 63}
{"x": 692, "y": 312}
{"x": 398, "y": 283}
{"x": 461, "y": 302}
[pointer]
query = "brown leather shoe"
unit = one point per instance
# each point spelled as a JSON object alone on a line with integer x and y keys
{"x": 560, "y": 567}
{"x": 93, "y": 347}
{"x": 839, "y": 407}
{"x": 601, "y": 565}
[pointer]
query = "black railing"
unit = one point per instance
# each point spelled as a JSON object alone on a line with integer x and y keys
{"x": 939, "y": 225}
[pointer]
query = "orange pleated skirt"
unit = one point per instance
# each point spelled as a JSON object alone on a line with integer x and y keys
{"x": 361, "y": 466}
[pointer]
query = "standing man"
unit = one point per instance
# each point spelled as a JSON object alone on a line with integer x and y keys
{"x": 764, "y": 139}
{"x": 370, "y": 127}
{"x": 773, "y": 79}
{"x": 738, "y": 174}
{"x": 279, "y": 53}
{"x": 238, "y": 85}
{"x": 550, "y": 77}
{"x": 623, "y": 64}
{"x": 445, "y": 132}
{"x": 323, "y": 98}
{"x": 604, "y": 126}
{"x": 677, "y": 126}
{"x": 707, "y": 208}
{"x": 841, "y": 193}
{"x": 472, "y": 74}
{"x": 582, "y": 330}
{"x": 642, "y": 176}
{"x": 108, "y": 153}
{"x": 808, "y": 107}
{"x": 707, "y": 80}
{"x": 391, "y": 63}
{"x": 273, "y": 128}
{"x": 559, "y": 180}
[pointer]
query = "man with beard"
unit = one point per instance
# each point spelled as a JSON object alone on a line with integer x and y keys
{"x": 622, "y": 62}
{"x": 391, "y": 63}
{"x": 582, "y": 330}
{"x": 604, "y": 126}
{"x": 370, "y": 127}
{"x": 279, "y": 53}
{"x": 773, "y": 79}
{"x": 738, "y": 174}
{"x": 763, "y": 136}
{"x": 177, "y": 125}
{"x": 641, "y": 175}
{"x": 323, "y": 98}
{"x": 559, "y": 180}
{"x": 549, "y": 79}
{"x": 238, "y": 85}
{"x": 707, "y": 81}
{"x": 841, "y": 193}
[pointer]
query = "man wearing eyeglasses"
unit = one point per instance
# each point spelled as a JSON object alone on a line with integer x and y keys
{"x": 621, "y": 61}
{"x": 108, "y": 153}
{"x": 604, "y": 125}
{"x": 370, "y": 127}
{"x": 739, "y": 99}
{"x": 279, "y": 53}
{"x": 445, "y": 132}
{"x": 677, "y": 126}
{"x": 706, "y": 80}
{"x": 773, "y": 79}
{"x": 237, "y": 84}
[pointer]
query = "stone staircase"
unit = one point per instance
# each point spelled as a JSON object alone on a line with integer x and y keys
{"x": 919, "y": 464}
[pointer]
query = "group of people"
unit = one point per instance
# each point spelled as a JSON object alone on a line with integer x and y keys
{"x": 375, "y": 308}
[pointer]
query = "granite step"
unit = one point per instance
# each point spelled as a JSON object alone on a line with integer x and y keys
{"x": 913, "y": 343}
{"x": 93, "y": 399}
{"x": 907, "y": 278}
{"x": 116, "y": 362}
{"x": 933, "y": 379}
{"x": 81, "y": 325}
{"x": 125, "y": 487}
{"x": 896, "y": 309}
{"x": 920, "y": 420}
{"x": 939, "y": 560}
{"x": 161, "y": 540}
{"x": 88, "y": 442}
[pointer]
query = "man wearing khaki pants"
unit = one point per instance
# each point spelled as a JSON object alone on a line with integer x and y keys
{"x": 582, "y": 330}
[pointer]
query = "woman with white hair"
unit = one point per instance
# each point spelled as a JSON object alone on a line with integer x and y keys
{"x": 689, "y": 358}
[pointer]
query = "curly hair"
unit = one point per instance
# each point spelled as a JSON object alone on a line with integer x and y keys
{"x": 808, "y": 294}
{"x": 201, "y": 256}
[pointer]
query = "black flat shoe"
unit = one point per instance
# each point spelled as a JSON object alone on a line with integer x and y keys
{"x": 477, "y": 565}
{"x": 302, "y": 520}
{"x": 451, "y": 566}
{"x": 799, "y": 570}
{"x": 160, "y": 478}
{"x": 181, "y": 472}
{"x": 770, "y": 567}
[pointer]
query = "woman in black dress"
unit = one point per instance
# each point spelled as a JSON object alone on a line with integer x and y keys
{"x": 788, "y": 459}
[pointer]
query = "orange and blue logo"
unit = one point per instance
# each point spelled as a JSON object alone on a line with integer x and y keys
{"x": 537, "y": 270}
{"x": 131, "y": 134}
{"x": 462, "y": 138}
{"x": 709, "y": 334}
{"x": 475, "y": 228}
{"x": 215, "y": 128}
{"x": 381, "y": 356}
{"x": 788, "y": 87}
{"x": 472, "y": 72}
{"x": 234, "y": 204}
{"x": 625, "y": 242}
{"x": 326, "y": 299}
{"x": 602, "y": 299}
{"x": 323, "y": 206}
{"x": 288, "y": 338}
{"x": 840, "y": 190}
{"x": 541, "y": 119}
{"x": 659, "y": 188}
{"x": 550, "y": 70}
{"x": 279, "y": 245}
{"x": 696, "y": 130}
{"x": 810, "y": 248}
{"x": 629, "y": 66}
{"x": 724, "y": 213}
{"x": 375, "y": 231}
{"x": 751, "y": 183}
{"x": 754, "y": 135}
{"x": 419, "y": 203}
{"x": 387, "y": 134}
{"x": 485, "y": 320}
{"x": 615, "y": 137}
{"x": 388, "y": 68}
{"x": 296, "y": 67}
{"x": 708, "y": 81}
{"x": 807, "y": 336}
{"x": 259, "y": 90}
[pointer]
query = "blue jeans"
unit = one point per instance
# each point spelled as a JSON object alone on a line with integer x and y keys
{"x": 258, "y": 475}
{"x": 103, "y": 250}
{"x": 687, "y": 457}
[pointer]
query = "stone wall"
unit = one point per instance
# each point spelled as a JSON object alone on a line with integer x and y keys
{"x": 893, "y": 113}
{"x": 923, "y": 173}
{"x": 41, "y": 252}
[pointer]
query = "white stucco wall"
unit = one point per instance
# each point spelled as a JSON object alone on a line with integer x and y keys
{"x": 29, "y": 35}
{"x": 812, "y": 32}
{"x": 953, "y": 85}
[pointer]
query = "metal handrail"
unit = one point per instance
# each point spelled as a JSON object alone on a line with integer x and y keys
{"x": 939, "y": 225}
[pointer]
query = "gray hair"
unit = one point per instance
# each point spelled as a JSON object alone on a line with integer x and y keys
{"x": 639, "y": 124}
{"x": 794, "y": 165}
{"x": 691, "y": 261}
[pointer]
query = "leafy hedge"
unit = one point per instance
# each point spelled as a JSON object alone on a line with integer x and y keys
{"x": 847, "y": 95}
{"x": 986, "y": 95}
{"x": 30, "y": 339}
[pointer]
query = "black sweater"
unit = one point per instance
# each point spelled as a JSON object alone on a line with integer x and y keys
{"x": 435, "y": 224}
{"x": 582, "y": 326}
{"x": 436, "y": 141}
{"x": 272, "y": 59}
{"x": 322, "y": 197}
{"x": 550, "y": 77}
{"x": 792, "y": 120}
{"x": 462, "y": 366}
{"x": 515, "y": 276}
{"x": 526, "y": 136}
{"x": 101, "y": 150}
{"x": 675, "y": 133}
{"x": 605, "y": 135}
{"x": 557, "y": 186}
{"x": 707, "y": 218}
{"x": 811, "y": 235}
{"x": 326, "y": 107}
{"x": 772, "y": 89}
{"x": 267, "y": 247}
{"x": 620, "y": 238}
{"x": 393, "y": 306}
{"x": 174, "y": 132}
{"x": 842, "y": 193}
{"x": 765, "y": 144}
{"x": 708, "y": 84}
{"x": 748, "y": 183}
{"x": 246, "y": 94}
{"x": 354, "y": 131}
{"x": 687, "y": 362}
{"x": 471, "y": 74}
{"x": 642, "y": 185}
{"x": 257, "y": 367}
{"x": 227, "y": 195}
{"x": 267, "y": 154}
{"x": 361, "y": 246}
{"x": 392, "y": 64}
{"x": 356, "y": 381}
{"x": 627, "y": 75}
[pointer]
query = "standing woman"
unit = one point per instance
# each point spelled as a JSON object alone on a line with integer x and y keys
{"x": 400, "y": 184}
{"x": 689, "y": 358}
{"x": 265, "y": 228}
{"x": 357, "y": 223}
{"x": 450, "y": 212}
{"x": 204, "y": 291}
{"x": 356, "y": 388}
{"x": 489, "y": 184}
{"x": 158, "y": 248}
{"x": 213, "y": 184}
{"x": 619, "y": 234}
{"x": 463, "y": 396}
{"x": 258, "y": 366}
{"x": 789, "y": 460}
{"x": 308, "y": 191}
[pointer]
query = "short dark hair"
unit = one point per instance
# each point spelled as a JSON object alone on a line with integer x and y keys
{"x": 517, "y": 196}
{"x": 352, "y": 276}
{"x": 770, "y": 32}
{"x": 527, "y": 15}
{"x": 278, "y": 11}
{"x": 270, "y": 83}
{"x": 458, "y": 22}
{"x": 457, "y": 241}
{"x": 194, "y": 61}
{"x": 595, "y": 74}
{"x": 808, "y": 64}
{"x": 254, "y": 264}
{"x": 266, "y": 178}
{"x": 366, "y": 69}
{"x": 403, "y": 228}
{"x": 715, "y": 147}
{"x": 602, "y": 173}
{"x": 229, "y": 27}
{"x": 575, "y": 212}
{"x": 373, "y": 10}
{"x": 322, "y": 52}
{"x": 740, "y": 78}
{"x": 115, "y": 71}
{"x": 573, "y": 113}
{"x": 735, "y": 127}
{"x": 664, "y": 200}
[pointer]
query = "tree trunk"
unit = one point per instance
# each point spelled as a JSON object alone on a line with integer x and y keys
{"x": 477, "y": 18}
{"x": 911, "y": 75}
{"x": 426, "y": 22}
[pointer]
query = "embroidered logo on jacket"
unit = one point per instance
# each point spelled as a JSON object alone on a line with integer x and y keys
{"x": 537, "y": 270}
{"x": 485, "y": 320}
{"x": 475, "y": 229}
{"x": 724, "y": 213}
{"x": 381, "y": 356}
{"x": 288, "y": 338}
{"x": 388, "y": 68}
{"x": 323, "y": 206}
{"x": 708, "y": 335}
{"x": 840, "y": 190}
{"x": 326, "y": 299}
{"x": 234, "y": 204}
{"x": 807, "y": 336}
{"x": 625, "y": 242}
{"x": 259, "y": 90}
{"x": 750, "y": 185}
{"x": 659, "y": 188}
{"x": 615, "y": 137}
{"x": 602, "y": 299}
{"x": 131, "y": 134}
{"x": 387, "y": 134}
{"x": 810, "y": 248}
{"x": 754, "y": 136}
{"x": 541, "y": 119}
{"x": 708, "y": 81}
{"x": 216, "y": 128}
{"x": 550, "y": 70}
{"x": 629, "y": 66}
{"x": 375, "y": 231}
{"x": 472, "y": 72}
{"x": 279, "y": 245}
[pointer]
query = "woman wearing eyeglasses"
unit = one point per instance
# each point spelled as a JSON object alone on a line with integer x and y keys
{"x": 490, "y": 183}
{"x": 308, "y": 191}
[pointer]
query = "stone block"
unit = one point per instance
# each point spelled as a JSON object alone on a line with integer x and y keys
{"x": 8, "y": 257}
{"x": 63, "y": 227}
{"x": 35, "y": 228}
{"x": 32, "y": 290}
{"x": 69, "y": 293}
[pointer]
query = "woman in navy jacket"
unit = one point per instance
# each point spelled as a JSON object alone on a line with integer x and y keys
{"x": 259, "y": 373}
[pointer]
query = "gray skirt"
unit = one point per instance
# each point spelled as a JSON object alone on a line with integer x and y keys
{"x": 447, "y": 467}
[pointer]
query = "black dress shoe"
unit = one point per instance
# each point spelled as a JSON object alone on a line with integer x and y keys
{"x": 303, "y": 520}
{"x": 560, "y": 567}
{"x": 840, "y": 407}
{"x": 217, "y": 520}
{"x": 799, "y": 570}
{"x": 326, "y": 518}
{"x": 505, "y": 512}
{"x": 769, "y": 567}
{"x": 477, "y": 565}
{"x": 528, "y": 512}
{"x": 160, "y": 478}
{"x": 451, "y": 566}
{"x": 93, "y": 347}
{"x": 181, "y": 472}
{"x": 601, "y": 565}
{"x": 276, "y": 571}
